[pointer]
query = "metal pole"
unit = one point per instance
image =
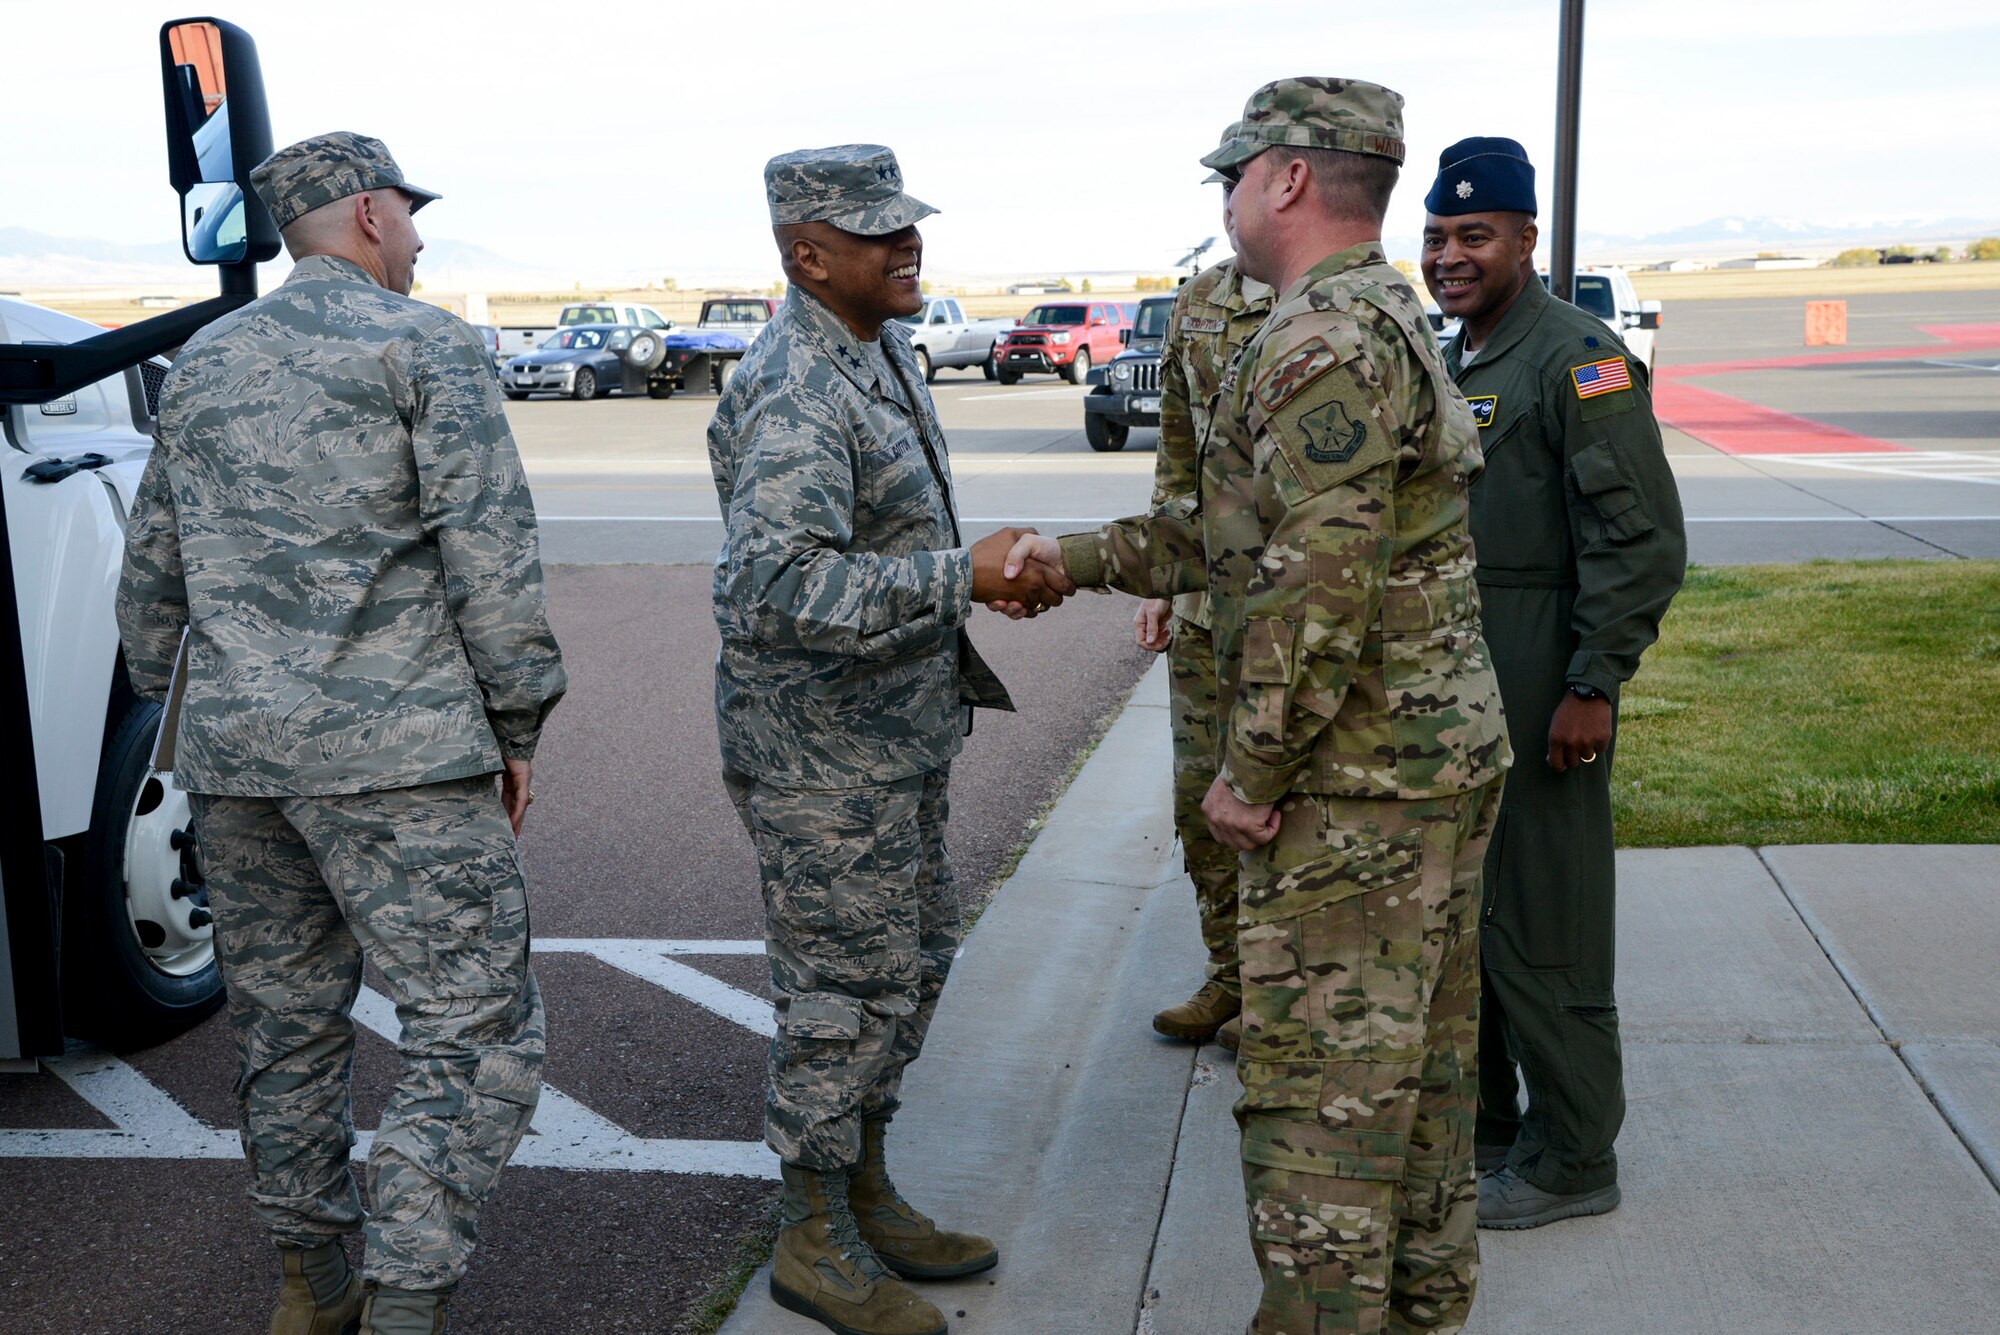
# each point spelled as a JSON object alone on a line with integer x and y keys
{"x": 1569, "y": 100}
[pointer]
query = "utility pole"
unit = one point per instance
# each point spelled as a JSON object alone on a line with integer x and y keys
{"x": 1569, "y": 100}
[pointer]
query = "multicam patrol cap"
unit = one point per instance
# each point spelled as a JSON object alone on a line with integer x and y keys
{"x": 1351, "y": 115}
{"x": 301, "y": 177}
{"x": 1215, "y": 177}
{"x": 856, "y": 187}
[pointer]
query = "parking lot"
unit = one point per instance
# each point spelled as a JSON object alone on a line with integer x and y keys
{"x": 120, "y": 1190}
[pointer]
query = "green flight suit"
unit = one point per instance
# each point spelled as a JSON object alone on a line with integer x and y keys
{"x": 1576, "y": 523}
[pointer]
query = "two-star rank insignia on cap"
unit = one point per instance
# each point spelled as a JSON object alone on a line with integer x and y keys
{"x": 1601, "y": 377}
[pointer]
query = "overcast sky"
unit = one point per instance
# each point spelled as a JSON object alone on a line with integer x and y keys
{"x": 630, "y": 137}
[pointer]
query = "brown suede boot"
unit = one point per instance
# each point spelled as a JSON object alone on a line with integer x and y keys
{"x": 321, "y": 1293}
{"x": 1231, "y": 1033}
{"x": 1197, "y": 1018}
{"x": 908, "y": 1240}
{"x": 403, "y": 1311}
{"x": 822, "y": 1269}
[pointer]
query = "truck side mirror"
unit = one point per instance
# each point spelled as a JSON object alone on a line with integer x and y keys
{"x": 1649, "y": 315}
{"x": 1125, "y": 338}
{"x": 218, "y": 128}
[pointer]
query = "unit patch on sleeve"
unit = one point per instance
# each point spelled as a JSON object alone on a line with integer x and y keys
{"x": 1299, "y": 367}
{"x": 1605, "y": 377}
{"x": 1483, "y": 409}
{"x": 1332, "y": 434}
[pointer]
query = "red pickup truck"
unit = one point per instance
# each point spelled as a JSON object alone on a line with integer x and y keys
{"x": 1063, "y": 338}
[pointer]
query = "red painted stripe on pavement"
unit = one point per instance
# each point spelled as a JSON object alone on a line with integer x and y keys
{"x": 1952, "y": 338}
{"x": 1736, "y": 426}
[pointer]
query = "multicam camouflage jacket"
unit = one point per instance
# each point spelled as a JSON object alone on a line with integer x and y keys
{"x": 842, "y": 588}
{"x": 1214, "y": 316}
{"x": 1332, "y": 539}
{"x": 336, "y": 512}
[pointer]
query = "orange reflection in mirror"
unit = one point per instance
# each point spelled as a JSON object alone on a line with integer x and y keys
{"x": 199, "y": 45}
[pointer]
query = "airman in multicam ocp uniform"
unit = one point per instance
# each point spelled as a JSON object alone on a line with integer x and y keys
{"x": 1214, "y": 317}
{"x": 1364, "y": 745}
{"x": 842, "y": 694}
{"x": 336, "y": 515}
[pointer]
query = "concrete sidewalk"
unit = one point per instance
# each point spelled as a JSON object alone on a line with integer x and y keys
{"x": 1812, "y": 1041}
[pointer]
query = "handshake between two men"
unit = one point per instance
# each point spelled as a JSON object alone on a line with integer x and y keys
{"x": 1019, "y": 572}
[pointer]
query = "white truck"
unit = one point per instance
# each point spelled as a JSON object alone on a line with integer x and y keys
{"x": 105, "y": 931}
{"x": 945, "y": 338}
{"x": 1605, "y": 292}
{"x": 516, "y": 339}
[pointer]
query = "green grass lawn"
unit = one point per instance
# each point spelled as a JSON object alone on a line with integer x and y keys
{"x": 1833, "y": 702}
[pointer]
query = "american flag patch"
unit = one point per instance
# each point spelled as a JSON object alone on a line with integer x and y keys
{"x": 1601, "y": 377}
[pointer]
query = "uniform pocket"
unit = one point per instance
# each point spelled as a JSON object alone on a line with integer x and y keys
{"x": 505, "y": 1090}
{"x": 1613, "y": 513}
{"x": 1533, "y": 902}
{"x": 468, "y": 903}
{"x": 1303, "y": 937}
{"x": 1331, "y": 1246}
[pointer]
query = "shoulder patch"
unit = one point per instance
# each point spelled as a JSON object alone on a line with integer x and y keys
{"x": 1485, "y": 407}
{"x": 1605, "y": 377}
{"x": 1331, "y": 434}
{"x": 1298, "y": 368}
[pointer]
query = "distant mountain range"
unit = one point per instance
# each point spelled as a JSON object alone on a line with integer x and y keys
{"x": 1719, "y": 238}
{"x": 36, "y": 259}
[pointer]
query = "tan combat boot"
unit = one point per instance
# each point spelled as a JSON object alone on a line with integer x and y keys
{"x": 908, "y": 1240}
{"x": 1197, "y": 1018}
{"x": 403, "y": 1311}
{"x": 1231, "y": 1033}
{"x": 321, "y": 1293}
{"x": 822, "y": 1269}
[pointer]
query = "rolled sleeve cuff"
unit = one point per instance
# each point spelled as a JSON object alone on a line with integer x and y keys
{"x": 1594, "y": 670}
{"x": 1083, "y": 559}
{"x": 950, "y": 573}
{"x": 1255, "y": 782}
{"x": 520, "y": 748}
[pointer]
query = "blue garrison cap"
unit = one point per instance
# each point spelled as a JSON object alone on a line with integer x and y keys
{"x": 1483, "y": 175}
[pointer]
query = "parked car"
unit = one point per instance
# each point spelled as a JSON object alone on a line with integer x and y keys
{"x": 1126, "y": 392}
{"x": 744, "y": 316}
{"x": 490, "y": 336}
{"x": 584, "y": 361}
{"x": 1062, "y": 338}
{"x": 945, "y": 338}
{"x": 516, "y": 339}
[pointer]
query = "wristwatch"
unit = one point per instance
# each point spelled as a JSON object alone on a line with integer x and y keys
{"x": 1585, "y": 691}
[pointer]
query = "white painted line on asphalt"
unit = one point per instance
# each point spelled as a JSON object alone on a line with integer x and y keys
{"x": 565, "y": 1133}
{"x": 643, "y": 961}
{"x": 1843, "y": 519}
{"x": 715, "y": 519}
{"x": 1024, "y": 394}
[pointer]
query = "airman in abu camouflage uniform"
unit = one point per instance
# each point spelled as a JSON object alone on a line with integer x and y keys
{"x": 1213, "y": 317}
{"x": 1364, "y": 745}
{"x": 336, "y": 515}
{"x": 842, "y": 693}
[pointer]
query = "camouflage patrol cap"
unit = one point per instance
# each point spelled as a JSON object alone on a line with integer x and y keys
{"x": 301, "y": 177}
{"x": 1215, "y": 177}
{"x": 856, "y": 187}
{"x": 1351, "y": 115}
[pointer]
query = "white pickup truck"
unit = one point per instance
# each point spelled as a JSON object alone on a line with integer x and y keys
{"x": 945, "y": 338}
{"x": 517, "y": 339}
{"x": 1603, "y": 291}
